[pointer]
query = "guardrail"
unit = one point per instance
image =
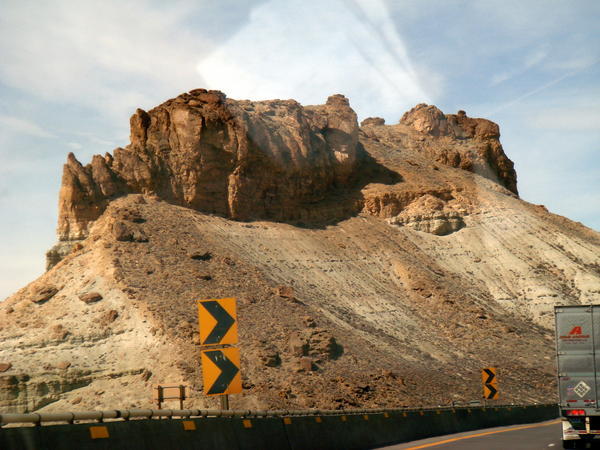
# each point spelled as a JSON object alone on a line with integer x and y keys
{"x": 245, "y": 429}
{"x": 127, "y": 414}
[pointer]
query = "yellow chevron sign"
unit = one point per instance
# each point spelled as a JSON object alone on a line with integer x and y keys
{"x": 490, "y": 383}
{"x": 490, "y": 392}
{"x": 221, "y": 370}
{"x": 218, "y": 321}
{"x": 220, "y": 366}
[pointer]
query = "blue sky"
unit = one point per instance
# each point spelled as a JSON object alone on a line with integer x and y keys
{"x": 73, "y": 72}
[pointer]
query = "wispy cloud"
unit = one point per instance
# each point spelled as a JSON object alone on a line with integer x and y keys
{"x": 111, "y": 56}
{"x": 530, "y": 61}
{"x": 575, "y": 119}
{"x": 573, "y": 62}
{"x": 535, "y": 91}
{"x": 23, "y": 126}
{"x": 289, "y": 50}
{"x": 105, "y": 142}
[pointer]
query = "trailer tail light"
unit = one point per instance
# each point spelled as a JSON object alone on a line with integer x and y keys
{"x": 575, "y": 412}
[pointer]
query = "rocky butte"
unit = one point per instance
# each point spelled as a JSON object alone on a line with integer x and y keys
{"x": 374, "y": 265}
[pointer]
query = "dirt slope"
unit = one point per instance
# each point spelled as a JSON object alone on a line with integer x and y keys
{"x": 427, "y": 272}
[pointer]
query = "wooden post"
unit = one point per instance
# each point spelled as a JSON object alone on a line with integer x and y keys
{"x": 181, "y": 396}
{"x": 159, "y": 396}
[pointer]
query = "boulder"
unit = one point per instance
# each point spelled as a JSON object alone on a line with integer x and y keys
{"x": 372, "y": 121}
{"x": 90, "y": 297}
{"x": 44, "y": 294}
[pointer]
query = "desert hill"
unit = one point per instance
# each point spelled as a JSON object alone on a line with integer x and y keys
{"x": 374, "y": 265}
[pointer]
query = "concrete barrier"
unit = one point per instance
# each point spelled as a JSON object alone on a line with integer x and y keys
{"x": 259, "y": 433}
{"x": 247, "y": 430}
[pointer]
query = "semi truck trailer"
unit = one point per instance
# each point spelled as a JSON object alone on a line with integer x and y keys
{"x": 578, "y": 361}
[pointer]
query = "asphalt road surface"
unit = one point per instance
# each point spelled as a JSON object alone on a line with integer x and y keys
{"x": 535, "y": 436}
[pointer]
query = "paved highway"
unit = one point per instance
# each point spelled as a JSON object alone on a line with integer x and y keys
{"x": 533, "y": 436}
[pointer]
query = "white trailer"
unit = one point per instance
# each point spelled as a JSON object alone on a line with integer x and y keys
{"x": 578, "y": 356}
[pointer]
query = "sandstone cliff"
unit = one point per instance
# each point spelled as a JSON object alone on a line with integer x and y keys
{"x": 380, "y": 265}
{"x": 239, "y": 159}
{"x": 247, "y": 160}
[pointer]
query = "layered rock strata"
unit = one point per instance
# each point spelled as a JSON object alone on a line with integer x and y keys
{"x": 274, "y": 160}
{"x": 391, "y": 263}
{"x": 238, "y": 159}
{"x": 488, "y": 159}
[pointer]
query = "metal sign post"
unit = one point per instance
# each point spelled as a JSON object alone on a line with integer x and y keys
{"x": 225, "y": 401}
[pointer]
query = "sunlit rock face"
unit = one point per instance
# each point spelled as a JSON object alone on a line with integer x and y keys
{"x": 239, "y": 159}
{"x": 487, "y": 159}
{"x": 368, "y": 263}
{"x": 250, "y": 160}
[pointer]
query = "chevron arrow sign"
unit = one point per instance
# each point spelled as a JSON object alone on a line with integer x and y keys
{"x": 489, "y": 381}
{"x": 490, "y": 392}
{"x": 221, "y": 371}
{"x": 218, "y": 321}
{"x": 488, "y": 375}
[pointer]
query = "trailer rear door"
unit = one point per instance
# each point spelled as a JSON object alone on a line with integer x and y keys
{"x": 576, "y": 341}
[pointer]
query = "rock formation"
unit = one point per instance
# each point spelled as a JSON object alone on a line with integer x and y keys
{"x": 239, "y": 159}
{"x": 248, "y": 160}
{"x": 380, "y": 265}
{"x": 488, "y": 159}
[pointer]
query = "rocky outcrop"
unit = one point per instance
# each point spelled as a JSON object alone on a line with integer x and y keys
{"x": 58, "y": 252}
{"x": 430, "y": 214}
{"x": 374, "y": 121}
{"x": 239, "y": 159}
{"x": 430, "y": 120}
{"x": 436, "y": 271}
{"x": 252, "y": 160}
{"x": 275, "y": 160}
{"x": 487, "y": 158}
{"x": 90, "y": 297}
{"x": 439, "y": 224}
{"x": 83, "y": 196}
{"x": 43, "y": 294}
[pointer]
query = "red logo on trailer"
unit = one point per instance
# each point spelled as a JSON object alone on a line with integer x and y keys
{"x": 575, "y": 330}
{"x": 576, "y": 334}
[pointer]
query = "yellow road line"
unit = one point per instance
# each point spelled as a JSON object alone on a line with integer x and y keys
{"x": 433, "y": 444}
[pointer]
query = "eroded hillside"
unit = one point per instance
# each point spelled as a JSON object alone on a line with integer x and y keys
{"x": 380, "y": 265}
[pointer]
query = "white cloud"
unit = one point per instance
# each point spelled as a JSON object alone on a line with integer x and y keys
{"x": 530, "y": 61}
{"x": 528, "y": 94}
{"x": 17, "y": 125}
{"x": 93, "y": 139}
{"x": 577, "y": 62}
{"x": 111, "y": 56}
{"x": 74, "y": 145}
{"x": 532, "y": 20}
{"x": 306, "y": 51}
{"x": 568, "y": 119}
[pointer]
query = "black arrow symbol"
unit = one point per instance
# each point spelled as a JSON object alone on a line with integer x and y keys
{"x": 492, "y": 392}
{"x": 228, "y": 371}
{"x": 224, "y": 322}
{"x": 491, "y": 375}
